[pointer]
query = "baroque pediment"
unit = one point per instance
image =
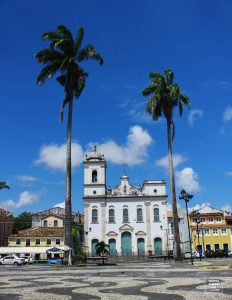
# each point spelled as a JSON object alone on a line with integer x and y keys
{"x": 124, "y": 188}
{"x": 126, "y": 227}
{"x": 140, "y": 233}
{"x": 112, "y": 233}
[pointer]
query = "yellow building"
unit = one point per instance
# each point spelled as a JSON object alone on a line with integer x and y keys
{"x": 35, "y": 241}
{"x": 211, "y": 229}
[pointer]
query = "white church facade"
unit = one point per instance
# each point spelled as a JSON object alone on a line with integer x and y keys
{"x": 131, "y": 220}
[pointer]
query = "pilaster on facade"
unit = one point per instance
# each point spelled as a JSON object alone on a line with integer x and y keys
{"x": 103, "y": 216}
{"x": 148, "y": 225}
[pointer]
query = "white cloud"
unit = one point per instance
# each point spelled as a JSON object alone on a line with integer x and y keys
{"x": 177, "y": 160}
{"x": 62, "y": 205}
{"x": 26, "y": 179}
{"x": 188, "y": 179}
{"x": 227, "y": 207}
{"x": 198, "y": 206}
{"x": 134, "y": 152}
{"x": 25, "y": 198}
{"x": 227, "y": 116}
{"x": 54, "y": 156}
{"x": 193, "y": 115}
{"x": 229, "y": 173}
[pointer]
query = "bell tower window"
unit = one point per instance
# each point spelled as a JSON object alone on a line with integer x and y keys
{"x": 94, "y": 176}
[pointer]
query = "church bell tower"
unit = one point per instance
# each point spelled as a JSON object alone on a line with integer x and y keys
{"x": 94, "y": 174}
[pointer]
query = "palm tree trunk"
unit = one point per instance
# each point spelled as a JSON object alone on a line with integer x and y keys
{"x": 68, "y": 196}
{"x": 177, "y": 249}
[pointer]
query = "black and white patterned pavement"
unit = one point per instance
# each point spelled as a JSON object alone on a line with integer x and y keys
{"x": 135, "y": 281}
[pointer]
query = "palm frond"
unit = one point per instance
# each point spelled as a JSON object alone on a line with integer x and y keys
{"x": 49, "y": 55}
{"x": 153, "y": 107}
{"x": 185, "y": 100}
{"x": 80, "y": 84}
{"x": 180, "y": 106}
{"x": 51, "y": 35}
{"x": 65, "y": 46}
{"x": 149, "y": 90}
{"x": 169, "y": 75}
{"x": 47, "y": 72}
{"x": 65, "y": 101}
{"x": 65, "y": 33}
{"x": 61, "y": 79}
{"x": 89, "y": 52}
{"x": 155, "y": 75}
{"x": 79, "y": 39}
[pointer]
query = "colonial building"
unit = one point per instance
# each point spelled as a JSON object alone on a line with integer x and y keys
{"x": 35, "y": 241}
{"x": 47, "y": 232}
{"x": 211, "y": 229}
{"x": 6, "y": 222}
{"x": 128, "y": 218}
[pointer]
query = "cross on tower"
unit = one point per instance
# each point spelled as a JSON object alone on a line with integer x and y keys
{"x": 124, "y": 168}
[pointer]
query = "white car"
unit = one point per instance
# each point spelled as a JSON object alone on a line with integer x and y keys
{"x": 230, "y": 254}
{"x": 12, "y": 260}
{"x": 188, "y": 255}
{"x": 197, "y": 254}
{"x": 29, "y": 260}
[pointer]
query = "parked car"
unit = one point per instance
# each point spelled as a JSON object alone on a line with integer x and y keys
{"x": 230, "y": 254}
{"x": 199, "y": 254}
{"x": 210, "y": 253}
{"x": 188, "y": 255}
{"x": 221, "y": 253}
{"x": 29, "y": 260}
{"x": 12, "y": 260}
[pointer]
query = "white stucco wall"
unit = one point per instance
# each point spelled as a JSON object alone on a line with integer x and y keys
{"x": 136, "y": 228}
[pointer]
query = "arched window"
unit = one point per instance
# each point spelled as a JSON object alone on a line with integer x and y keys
{"x": 139, "y": 215}
{"x": 156, "y": 214}
{"x": 94, "y": 215}
{"x": 94, "y": 176}
{"x": 125, "y": 215}
{"x": 111, "y": 215}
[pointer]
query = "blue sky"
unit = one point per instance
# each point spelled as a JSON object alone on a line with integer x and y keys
{"x": 193, "y": 38}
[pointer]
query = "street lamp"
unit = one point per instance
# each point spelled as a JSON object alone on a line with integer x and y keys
{"x": 3, "y": 185}
{"x": 198, "y": 220}
{"x": 186, "y": 197}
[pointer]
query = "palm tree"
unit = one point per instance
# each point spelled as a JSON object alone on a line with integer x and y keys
{"x": 165, "y": 96}
{"x": 102, "y": 249}
{"x": 3, "y": 185}
{"x": 64, "y": 56}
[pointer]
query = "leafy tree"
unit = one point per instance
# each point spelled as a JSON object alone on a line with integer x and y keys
{"x": 23, "y": 221}
{"x": 64, "y": 56}
{"x": 165, "y": 95}
{"x": 102, "y": 249}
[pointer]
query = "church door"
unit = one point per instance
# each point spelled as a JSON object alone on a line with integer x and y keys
{"x": 158, "y": 246}
{"x": 94, "y": 243}
{"x": 126, "y": 244}
{"x": 112, "y": 247}
{"x": 141, "y": 248}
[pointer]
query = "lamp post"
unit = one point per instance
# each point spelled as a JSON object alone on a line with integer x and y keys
{"x": 3, "y": 185}
{"x": 198, "y": 219}
{"x": 186, "y": 197}
{"x": 203, "y": 238}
